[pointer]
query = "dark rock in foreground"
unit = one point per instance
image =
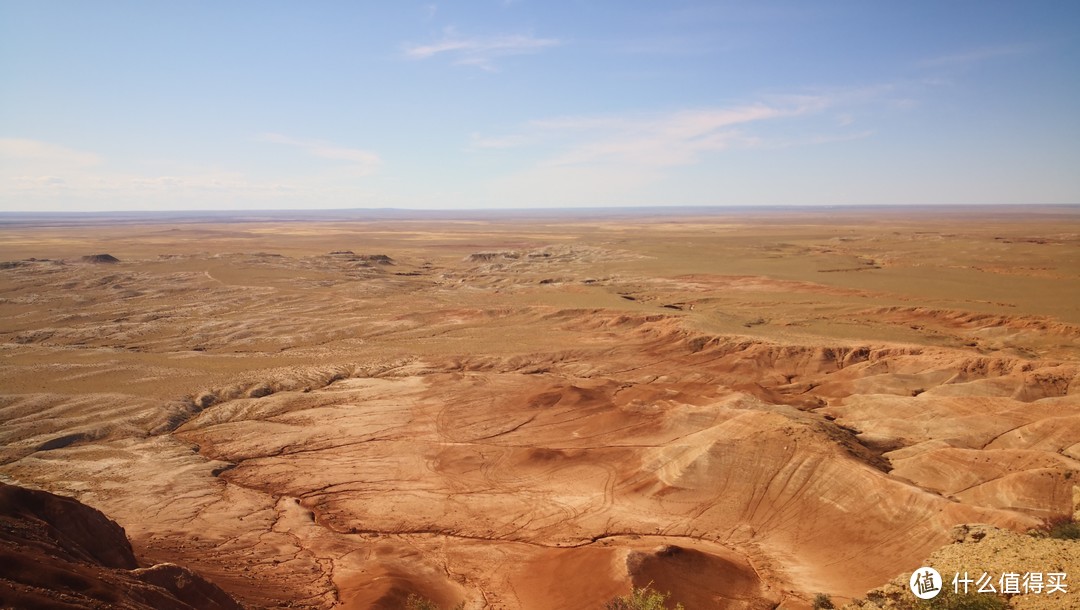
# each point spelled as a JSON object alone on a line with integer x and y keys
{"x": 56, "y": 552}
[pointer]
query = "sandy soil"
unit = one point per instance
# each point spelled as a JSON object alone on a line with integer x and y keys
{"x": 742, "y": 410}
{"x": 979, "y": 550}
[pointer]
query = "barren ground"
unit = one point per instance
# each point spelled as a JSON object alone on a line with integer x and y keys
{"x": 743, "y": 410}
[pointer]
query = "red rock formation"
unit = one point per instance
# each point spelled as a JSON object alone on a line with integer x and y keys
{"x": 58, "y": 553}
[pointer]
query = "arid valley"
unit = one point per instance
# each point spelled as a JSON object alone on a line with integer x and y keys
{"x": 742, "y": 409}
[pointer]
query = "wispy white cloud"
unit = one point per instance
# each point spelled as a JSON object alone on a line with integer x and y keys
{"x": 41, "y": 175}
{"x": 652, "y": 139}
{"x": 677, "y": 138}
{"x": 631, "y": 157}
{"x": 44, "y": 153}
{"x": 480, "y": 51}
{"x": 364, "y": 161}
{"x": 125, "y": 189}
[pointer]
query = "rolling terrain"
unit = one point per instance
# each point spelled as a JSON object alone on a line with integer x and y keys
{"x": 744, "y": 410}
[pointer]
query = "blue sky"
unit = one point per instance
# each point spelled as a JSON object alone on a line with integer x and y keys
{"x": 519, "y": 103}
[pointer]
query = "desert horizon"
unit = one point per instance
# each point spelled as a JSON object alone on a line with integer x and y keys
{"x": 740, "y": 409}
{"x": 520, "y": 305}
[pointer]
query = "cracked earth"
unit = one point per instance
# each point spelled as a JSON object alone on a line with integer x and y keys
{"x": 743, "y": 411}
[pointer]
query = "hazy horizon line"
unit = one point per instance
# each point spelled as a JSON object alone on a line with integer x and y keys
{"x": 99, "y": 217}
{"x": 749, "y": 206}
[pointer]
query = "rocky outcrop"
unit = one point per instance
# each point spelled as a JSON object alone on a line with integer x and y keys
{"x": 59, "y": 553}
{"x": 100, "y": 259}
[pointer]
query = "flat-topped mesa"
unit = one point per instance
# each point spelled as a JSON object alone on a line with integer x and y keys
{"x": 98, "y": 259}
{"x": 367, "y": 259}
{"x": 378, "y": 259}
{"x": 487, "y": 257}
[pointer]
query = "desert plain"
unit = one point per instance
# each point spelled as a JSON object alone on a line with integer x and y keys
{"x": 743, "y": 409}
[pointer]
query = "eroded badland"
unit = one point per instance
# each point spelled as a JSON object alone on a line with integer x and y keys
{"x": 744, "y": 410}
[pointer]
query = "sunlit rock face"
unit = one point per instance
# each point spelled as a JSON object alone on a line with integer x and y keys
{"x": 57, "y": 552}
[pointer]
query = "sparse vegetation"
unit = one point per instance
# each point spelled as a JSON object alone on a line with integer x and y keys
{"x": 1066, "y": 528}
{"x": 963, "y": 601}
{"x": 644, "y": 598}
{"x": 1063, "y": 527}
{"x": 415, "y": 602}
{"x": 899, "y": 598}
{"x": 543, "y": 396}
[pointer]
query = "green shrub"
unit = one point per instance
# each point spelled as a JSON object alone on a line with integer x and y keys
{"x": 964, "y": 601}
{"x": 823, "y": 602}
{"x": 415, "y": 602}
{"x": 641, "y": 599}
{"x": 1062, "y": 527}
{"x": 1066, "y": 528}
